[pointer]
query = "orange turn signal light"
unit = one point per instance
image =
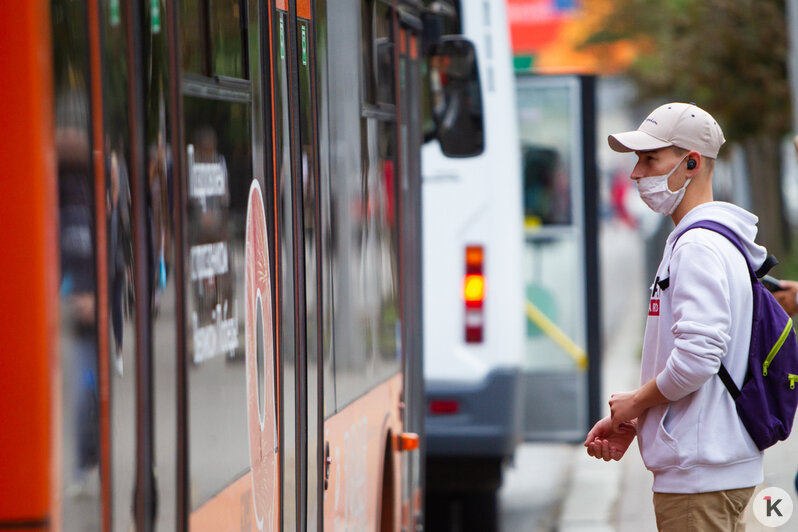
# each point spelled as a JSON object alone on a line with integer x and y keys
{"x": 474, "y": 256}
{"x": 408, "y": 441}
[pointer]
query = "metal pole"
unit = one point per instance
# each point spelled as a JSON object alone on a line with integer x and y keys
{"x": 792, "y": 61}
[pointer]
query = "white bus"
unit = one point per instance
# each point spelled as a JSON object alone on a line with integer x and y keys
{"x": 473, "y": 289}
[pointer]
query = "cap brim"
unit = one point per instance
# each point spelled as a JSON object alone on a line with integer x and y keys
{"x": 636, "y": 141}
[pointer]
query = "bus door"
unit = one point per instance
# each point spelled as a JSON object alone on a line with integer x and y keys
{"x": 308, "y": 217}
{"x": 298, "y": 215}
{"x": 409, "y": 82}
{"x": 561, "y": 360}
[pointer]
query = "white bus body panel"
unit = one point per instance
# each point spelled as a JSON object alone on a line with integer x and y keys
{"x": 476, "y": 201}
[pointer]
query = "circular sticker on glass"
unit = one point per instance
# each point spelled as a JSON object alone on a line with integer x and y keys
{"x": 261, "y": 366}
{"x": 772, "y": 507}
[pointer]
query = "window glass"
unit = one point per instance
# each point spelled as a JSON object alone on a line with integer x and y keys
{"x": 285, "y": 269}
{"x": 226, "y": 38}
{"x": 383, "y": 51}
{"x": 159, "y": 182}
{"x": 312, "y": 310}
{"x": 365, "y": 252}
{"x": 80, "y": 438}
{"x": 545, "y": 123}
{"x": 219, "y": 167}
{"x": 212, "y": 37}
{"x": 366, "y": 51}
{"x": 322, "y": 67}
{"x": 121, "y": 286}
{"x": 385, "y": 226}
{"x": 192, "y": 35}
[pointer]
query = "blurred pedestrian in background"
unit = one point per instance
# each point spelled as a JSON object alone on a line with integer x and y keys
{"x": 704, "y": 462}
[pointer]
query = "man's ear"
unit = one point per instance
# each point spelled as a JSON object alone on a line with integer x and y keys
{"x": 693, "y": 163}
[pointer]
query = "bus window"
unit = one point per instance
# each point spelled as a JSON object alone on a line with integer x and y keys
{"x": 227, "y": 58}
{"x": 79, "y": 402}
{"x": 308, "y": 165}
{"x": 192, "y": 36}
{"x": 159, "y": 181}
{"x": 365, "y": 256}
{"x": 121, "y": 283}
{"x": 219, "y": 166}
{"x": 367, "y": 79}
{"x": 383, "y": 51}
{"x": 212, "y": 38}
{"x": 285, "y": 268}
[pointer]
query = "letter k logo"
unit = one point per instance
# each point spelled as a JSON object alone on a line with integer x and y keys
{"x": 773, "y": 506}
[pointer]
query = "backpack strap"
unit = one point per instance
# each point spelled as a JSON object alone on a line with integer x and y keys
{"x": 768, "y": 265}
{"x": 728, "y": 382}
{"x": 730, "y": 235}
{"x": 771, "y": 261}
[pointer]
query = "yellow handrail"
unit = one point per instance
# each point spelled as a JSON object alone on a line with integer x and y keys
{"x": 556, "y": 334}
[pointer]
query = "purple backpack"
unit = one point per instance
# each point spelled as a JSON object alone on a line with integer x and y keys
{"x": 767, "y": 401}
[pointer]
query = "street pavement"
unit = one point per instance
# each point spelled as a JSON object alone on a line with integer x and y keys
{"x": 558, "y": 487}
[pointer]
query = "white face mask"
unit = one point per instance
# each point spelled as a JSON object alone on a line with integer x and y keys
{"x": 655, "y": 193}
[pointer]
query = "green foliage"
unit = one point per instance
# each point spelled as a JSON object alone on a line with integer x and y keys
{"x": 727, "y": 56}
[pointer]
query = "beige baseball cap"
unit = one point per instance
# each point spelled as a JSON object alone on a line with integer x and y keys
{"x": 682, "y": 125}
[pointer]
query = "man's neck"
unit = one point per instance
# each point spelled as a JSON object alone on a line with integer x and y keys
{"x": 692, "y": 199}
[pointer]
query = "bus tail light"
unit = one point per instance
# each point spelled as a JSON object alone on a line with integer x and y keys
{"x": 444, "y": 407}
{"x": 474, "y": 293}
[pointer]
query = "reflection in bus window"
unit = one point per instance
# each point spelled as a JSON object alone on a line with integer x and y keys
{"x": 383, "y": 50}
{"x": 78, "y": 291}
{"x": 219, "y": 163}
{"x": 192, "y": 36}
{"x": 212, "y": 38}
{"x": 226, "y": 38}
{"x": 79, "y": 401}
{"x": 285, "y": 267}
{"x": 365, "y": 259}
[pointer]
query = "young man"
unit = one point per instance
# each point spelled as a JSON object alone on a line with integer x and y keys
{"x": 705, "y": 464}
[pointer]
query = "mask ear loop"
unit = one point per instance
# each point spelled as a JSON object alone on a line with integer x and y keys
{"x": 687, "y": 181}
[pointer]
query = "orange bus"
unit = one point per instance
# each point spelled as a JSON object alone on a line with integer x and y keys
{"x": 211, "y": 297}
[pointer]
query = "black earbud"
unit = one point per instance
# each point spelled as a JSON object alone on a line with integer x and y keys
{"x": 691, "y": 164}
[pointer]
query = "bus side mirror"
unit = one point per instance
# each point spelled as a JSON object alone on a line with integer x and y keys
{"x": 456, "y": 97}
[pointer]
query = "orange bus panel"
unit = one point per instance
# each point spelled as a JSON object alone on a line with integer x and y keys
{"x": 358, "y": 436}
{"x": 29, "y": 269}
{"x": 303, "y": 9}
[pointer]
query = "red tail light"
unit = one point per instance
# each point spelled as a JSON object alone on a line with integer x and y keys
{"x": 444, "y": 407}
{"x": 474, "y": 293}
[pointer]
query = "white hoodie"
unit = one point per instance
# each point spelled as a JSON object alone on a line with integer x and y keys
{"x": 696, "y": 443}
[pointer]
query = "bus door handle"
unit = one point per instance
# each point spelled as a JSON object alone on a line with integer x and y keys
{"x": 327, "y": 465}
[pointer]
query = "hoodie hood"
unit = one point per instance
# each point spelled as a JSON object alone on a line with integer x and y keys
{"x": 739, "y": 220}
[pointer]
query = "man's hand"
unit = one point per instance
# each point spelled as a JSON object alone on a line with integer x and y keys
{"x": 605, "y": 443}
{"x": 628, "y": 406}
{"x": 624, "y": 407}
{"x": 786, "y": 297}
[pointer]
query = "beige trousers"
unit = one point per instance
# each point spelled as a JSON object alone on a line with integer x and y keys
{"x": 721, "y": 511}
